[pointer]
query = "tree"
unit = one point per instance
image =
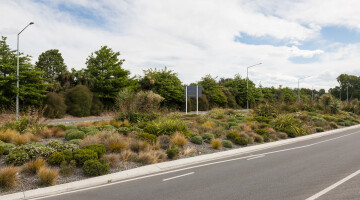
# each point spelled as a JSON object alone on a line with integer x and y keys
{"x": 106, "y": 74}
{"x": 79, "y": 101}
{"x": 213, "y": 92}
{"x": 52, "y": 64}
{"x": 32, "y": 88}
{"x": 165, "y": 83}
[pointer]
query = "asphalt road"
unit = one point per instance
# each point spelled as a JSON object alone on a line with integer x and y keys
{"x": 294, "y": 171}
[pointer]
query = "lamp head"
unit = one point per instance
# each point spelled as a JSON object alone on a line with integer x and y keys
{"x": 31, "y": 23}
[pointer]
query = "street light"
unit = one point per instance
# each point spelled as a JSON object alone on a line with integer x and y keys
{"x": 299, "y": 86}
{"x": 17, "y": 72}
{"x": 247, "y": 84}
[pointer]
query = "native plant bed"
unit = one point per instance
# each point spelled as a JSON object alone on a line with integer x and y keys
{"x": 35, "y": 155}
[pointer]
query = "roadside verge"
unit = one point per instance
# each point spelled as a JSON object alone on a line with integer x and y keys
{"x": 159, "y": 167}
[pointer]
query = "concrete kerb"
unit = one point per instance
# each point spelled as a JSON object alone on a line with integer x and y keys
{"x": 159, "y": 167}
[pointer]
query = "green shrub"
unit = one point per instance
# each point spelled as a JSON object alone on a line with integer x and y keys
{"x": 107, "y": 128}
{"x": 96, "y": 106}
{"x": 164, "y": 141}
{"x": 290, "y": 125}
{"x": 96, "y": 167}
{"x": 227, "y": 144}
{"x": 17, "y": 157}
{"x": 232, "y": 124}
{"x": 265, "y": 110}
{"x": 56, "y": 158}
{"x": 68, "y": 155}
{"x": 60, "y": 146}
{"x": 217, "y": 113}
{"x": 69, "y": 127}
{"x": 82, "y": 155}
{"x": 166, "y": 126}
{"x": 19, "y": 125}
{"x": 319, "y": 129}
{"x": 319, "y": 122}
{"x": 241, "y": 141}
{"x": 332, "y": 125}
{"x": 75, "y": 141}
{"x": 231, "y": 136}
{"x": 235, "y": 128}
{"x": 67, "y": 168}
{"x": 7, "y": 147}
{"x": 258, "y": 139}
{"x": 78, "y": 101}
{"x": 98, "y": 148}
{"x": 74, "y": 134}
{"x": 90, "y": 130}
{"x": 196, "y": 139}
{"x": 219, "y": 131}
{"x": 35, "y": 151}
{"x": 207, "y": 137}
{"x": 55, "y": 106}
{"x": 263, "y": 119}
{"x": 172, "y": 152}
{"x": 2, "y": 150}
{"x": 150, "y": 138}
{"x": 262, "y": 132}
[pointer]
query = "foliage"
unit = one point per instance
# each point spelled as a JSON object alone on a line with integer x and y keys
{"x": 172, "y": 152}
{"x": 78, "y": 101}
{"x": 207, "y": 137}
{"x": 150, "y": 138}
{"x": 290, "y": 125}
{"x": 232, "y": 135}
{"x": 33, "y": 166}
{"x": 17, "y": 157}
{"x": 151, "y": 157}
{"x": 96, "y": 167}
{"x": 216, "y": 143}
{"x": 2, "y": 150}
{"x": 48, "y": 176}
{"x": 241, "y": 141}
{"x": 82, "y": 155}
{"x": 113, "y": 159}
{"x": 9, "y": 177}
{"x": 67, "y": 168}
{"x": 213, "y": 92}
{"x": 227, "y": 144}
{"x": 319, "y": 129}
{"x": 55, "y": 106}
{"x": 7, "y": 147}
{"x": 96, "y": 106}
{"x": 74, "y": 134}
{"x": 179, "y": 139}
{"x": 262, "y": 132}
{"x": 265, "y": 110}
{"x": 165, "y": 126}
{"x": 196, "y": 139}
{"x": 56, "y": 158}
{"x": 164, "y": 141}
{"x": 98, "y": 148}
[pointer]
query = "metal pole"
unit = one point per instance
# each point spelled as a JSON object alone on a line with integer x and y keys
{"x": 197, "y": 99}
{"x": 17, "y": 72}
{"x": 298, "y": 90}
{"x": 247, "y": 88}
{"x": 340, "y": 92}
{"x": 347, "y": 94}
{"x": 186, "y": 99}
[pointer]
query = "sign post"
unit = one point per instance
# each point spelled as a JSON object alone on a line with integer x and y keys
{"x": 193, "y": 91}
{"x": 186, "y": 95}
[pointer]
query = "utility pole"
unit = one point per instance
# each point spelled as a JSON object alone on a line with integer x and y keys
{"x": 247, "y": 84}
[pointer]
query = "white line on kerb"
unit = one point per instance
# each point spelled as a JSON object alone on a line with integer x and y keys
{"x": 257, "y": 156}
{"x": 166, "y": 179}
{"x": 333, "y": 186}
{"x": 192, "y": 167}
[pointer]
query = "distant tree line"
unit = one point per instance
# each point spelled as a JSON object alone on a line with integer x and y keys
{"x": 93, "y": 89}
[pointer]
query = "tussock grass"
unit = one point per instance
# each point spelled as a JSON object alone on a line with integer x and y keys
{"x": 128, "y": 155}
{"x": 113, "y": 159}
{"x": 9, "y": 177}
{"x": 216, "y": 143}
{"x": 151, "y": 157}
{"x": 179, "y": 139}
{"x": 48, "y": 175}
{"x": 33, "y": 166}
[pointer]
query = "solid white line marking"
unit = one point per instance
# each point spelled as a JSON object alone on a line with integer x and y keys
{"x": 192, "y": 167}
{"x": 326, "y": 190}
{"x": 258, "y": 156}
{"x": 178, "y": 176}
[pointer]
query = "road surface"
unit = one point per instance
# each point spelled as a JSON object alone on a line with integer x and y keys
{"x": 321, "y": 168}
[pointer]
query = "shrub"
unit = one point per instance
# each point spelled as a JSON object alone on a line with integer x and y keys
{"x": 48, "y": 176}
{"x": 319, "y": 122}
{"x": 207, "y": 137}
{"x": 319, "y": 129}
{"x": 96, "y": 167}
{"x": 74, "y": 134}
{"x": 2, "y": 150}
{"x": 115, "y": 143}
{"x": 68, "y": 155}
{"x": 172, "y": 152}
{"x": 58, "y": 132}
{"x": 138, "y": 146}
{"x": 165, "y": 126}
{"x": 55, "y": 106}
{"x": 241, "y": 141}
{"x": 33, "y": 166}
{"x": 332, "y": 125}
{"x": 98, "y": 148}
{"x": 75, "y": 141}
{"x": 109, "y": 128}
{"x": 179, "y": 139}
{"x": 227, "y": 144}
{"x": 90, "y": 130}
{"x": 196, "y": 139}
{"x": 151, "y": 157}
{"x": 209, "y": 125}
{"x": 150, "y": 138}
{"x": 113, "y": 159}
{"x": 96, "y": 106}
{"x": 217, "y": 113}
{"x": 78, "y": 101}
{"x": 263, "y": 119}
{"x": 56, "y": 158}
{"x": 219, "y": 131}
{"x": 67, "y": 168}
{"x": 232, "y": 135}
{"x": 82, "y": 155}
{"x": 128, "y": 155}
{"x": 262, "y": 132}
{"x": 164, "y": 141}
{"x": 232, "y": 124}
{"x": 290, "y": 125}
{"x": 216, "y": 143}
{"x": 266, "y": 110}
{"x": 7, "y": 147}
{"x": 9, "y": 177}
{"x": 17, "y": 157}
{"x": 258, "y": 139}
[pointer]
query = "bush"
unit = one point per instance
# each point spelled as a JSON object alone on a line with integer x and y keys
{"x": 196, "y": 139}
{"x": 290, "y": 125}
{"x": 2, "y": 150}
{"x": 150, "y": 138}
{"x": 82, "y": 155}
{"x": 34, "y": 150}
{"x": 96, "y": 167}
{"x": 232, "y": 135}
{"x": 96, "y": 106}
{"x": 207, "y": 137}
{"x": 164, "y": 141}
{"x": 165, "y": 126}
{"x": 266, "y": 110}
{"x": 258, "y": 139}
{"x": 74, "y": 134}
{"x": 128, "y": 155}
{"x": 48, "y": 176}
{"x": 33, "y": 166}
{"x": 319, "y": 129}
{"x": 332, "y": 125}
{"x": 263, "y": 119}
{"x": 262, "y": 132}
{"x": 9, "y": 177}
{"x": 55, "y": 106}
{"x": 90, "y": 130}
{"x": 216, "y": 144}
{"x": 98, "y": 148}
{"x": 113, "y": 159}
{"x": 17, "y": 157}
{"x": 172, "y": 153}
{"x": 7, "y": 147}
{"x": 179, "y": 139}
{"x": 151, "y": 157}
{"x": 227, "y": 144}
{"x": 75, "y": 141}
{"x": 241, "y": 141}
{"x": 79, "y": 101}
{"x": 67, "y": 168}
{"x": 56, "y": 158}
{"x": 319, "y": 122}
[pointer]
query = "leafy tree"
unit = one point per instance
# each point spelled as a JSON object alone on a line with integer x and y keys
{"x": 165, "y": 83}
{"x": 55, "y": 106}
{"x": 106, "y": 74}
{"x": 32, "y": 88}
{"x": 52, "y": 63}
{"x": 79, "y": 101}
{"x": 213, "y": 92}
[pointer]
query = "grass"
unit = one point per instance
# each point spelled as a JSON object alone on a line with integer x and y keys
{"x": 216, "y": 143}
{"x": 33, "y": 166}
{"x": 128, "y": 155}
{"x": 151, "y": 157}
{"x": 179, "y": 139}
{"x": 47, "y": 176}
{"x": 9, "y": 177}
{"x": 189, "y": 150}
{"x": 113, "y": 159}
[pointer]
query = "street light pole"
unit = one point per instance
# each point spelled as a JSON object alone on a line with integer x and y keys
{"x": 247, "y": 84}
{"x": 17, "y": 72}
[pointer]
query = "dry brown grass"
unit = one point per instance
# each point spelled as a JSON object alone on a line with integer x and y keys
{"x": 128, "y": 155}
{"x": 102, "y": 123}
{"x": 33, "y": 166}
{"x": 281, "y": 135}
{"x": 85, "y": 124}
{"x": 113, "y": 159}
{"x": 139, "y": 145}
{"x": 246, "y": 127}
{"x": 209, "y": 125}
{"x": 216, "y": 143}
{"x": 12, "y": 136}
{"x": 115, "y": 123}
{"x": 8, "y": 135}
{"x": 48, "y": 175}
{"x": 151, "y": 157}
{"x": 115, "y": 143}
{"x": 189, "y": 150}
{"x": 90, "y": 139}
{"x": 46, "y": 133}
{"x": 9, "y": 177}
{"x": 58, "y": 132}
{"x": 179, "y": 139}
{"x": 21, "y": 139}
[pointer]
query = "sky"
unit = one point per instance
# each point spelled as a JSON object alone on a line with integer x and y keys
{"x": 311, "y": 40}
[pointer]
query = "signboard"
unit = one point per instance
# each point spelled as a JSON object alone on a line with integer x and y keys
{"x": 191, "y": 91}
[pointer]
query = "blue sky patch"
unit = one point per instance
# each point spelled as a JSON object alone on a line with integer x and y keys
{"x": 264, "y": 40}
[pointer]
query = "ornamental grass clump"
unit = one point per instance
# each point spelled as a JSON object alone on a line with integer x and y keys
{"x": 48, "y": 176}
{"x": 113, "y": 159}
{"x": 139, "y": 145}
{"x": 164, "y": 141}
{"x": 151, "y": 157}
{"x": 290, "y": 125}
{"x": 128, "y": 155}
{"x": 166, "y": 126}
{"x": 33, "y": 166}
{"x": 179, "y": 139}
{"x": 9, "y": 177}
{"x": 216, "y": 143}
